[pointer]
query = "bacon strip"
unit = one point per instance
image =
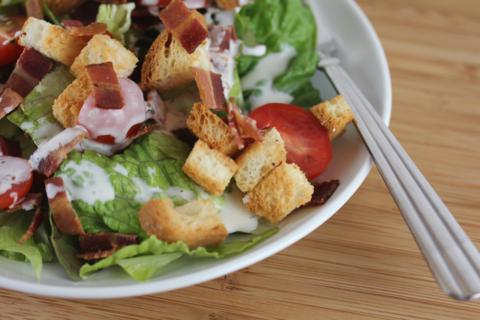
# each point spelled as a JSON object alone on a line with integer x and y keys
{"x": 102, "y": 245}
{"x": 210, "y": 88}
{"x": 88, "y": 256}
{"x": 64, "y": 215}
{"x": 106, "y": 87}
{"x": 220, "y": 37}
{"x": 30, "y": 68}
{"x": 187, "y": 26}
{"x": 9, "y": 101}
{"x": 86, "y": 31}
{"x": 34, "y": 9}
{"x": 242, "y": 126}
{"x": 322, "y": 192}
{"x": 68, "y": 23}
{"x": 32, "y": 228}
{"x": 48, "y": 157}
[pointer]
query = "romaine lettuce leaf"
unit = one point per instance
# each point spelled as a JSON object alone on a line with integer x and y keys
{"x": 147, "y": 259}
{"x": 117, "y": 17}
{"x": 11, "y": 232}
{"x": 35, "y": 113}
{"x": 275, "y": 23}
{"x": 149, "y": 168}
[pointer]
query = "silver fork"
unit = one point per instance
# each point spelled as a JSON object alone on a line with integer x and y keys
{"x": 452, "y": 257}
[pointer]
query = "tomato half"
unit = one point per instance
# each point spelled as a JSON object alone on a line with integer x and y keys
{"x": 16, "y": 179}
{"x": 10, "y": 51}
{"x": 306, "y": 140}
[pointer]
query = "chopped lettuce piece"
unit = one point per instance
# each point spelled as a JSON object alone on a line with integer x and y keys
{"x": 147, "y": 259}
{"x": 117, "y": 17}
{"x": 110, "y": 198}
{"x": 35, "y": 113}
{"x": 11, "y": 232}
{"x": 276, "y": 23}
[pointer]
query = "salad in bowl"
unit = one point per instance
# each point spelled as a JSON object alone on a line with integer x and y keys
{"x": 136, "y": 134}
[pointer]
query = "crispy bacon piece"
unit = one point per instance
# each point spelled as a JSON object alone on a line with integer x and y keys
{"x": 69, "y": 23}
{"x": 86, "y": 31}
{"x": 30, "y": 68}
{"x": 4, "y": 149}
{"x": 220, "y": 37}
{"x": 32, "y": 228}
{"x": 106, "y": 87}
{"x": 210, "y": 88}
{"x": 187, "y": 26}
{"x": 322, "y": 192}
{"x": 9, "y": 101}
{"x": 242, "y": 126}
{"x": 34, "y": 9}
{"x": 64, "y": 215}
{"x": 101, "y": 245}
{"x": 48, "y": 157}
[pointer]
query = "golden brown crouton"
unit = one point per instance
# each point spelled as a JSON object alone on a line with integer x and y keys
{"x": 102, "y": 48}
{"x": 209, "y": 168}
{"x": 334, "y": 115}
{"x": 209, "y": 127}
{"x": 197, "y": 223}
{"x": 284, "y": 189}
{"x": 66, "y": 107}
{"x": 60, "y": 7}
{"x": 52, "y": 41}
{"x": 228, "y": 4}
{"x": 168, "y": 66}
{"x": 259, "y": 159}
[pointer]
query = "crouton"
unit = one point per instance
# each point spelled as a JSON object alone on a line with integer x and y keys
{"x": 168, "y": 65}
{"x": 209, "y": 168}
{"x": 209, "y": 127}
{"x": 196, "y": 223}
{"x": 228, "y": 4}
{"x": 102, "y": 48}
{"x": 284, "y": 189}
{"x": 52, "y": 41}
{"x": 66, "y": 107}
{"x": 60, "y": 7}
{"x": 259, "y": 159}
{"x": 334, "y": 115}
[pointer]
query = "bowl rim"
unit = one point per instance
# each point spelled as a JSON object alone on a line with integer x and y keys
{"x": 235, "y": 263}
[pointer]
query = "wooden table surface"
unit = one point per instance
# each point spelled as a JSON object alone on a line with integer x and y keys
{"x": 363, "y": 263}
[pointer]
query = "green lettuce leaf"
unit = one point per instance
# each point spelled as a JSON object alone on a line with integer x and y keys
{"x": 275, "y": 23}
{"x": 117, "y": 17}
{"x": 148, "y": 169}
{"x": 11, "y": 232}
{"x": 147, "y": 259}
{"x": 35, "y": 113}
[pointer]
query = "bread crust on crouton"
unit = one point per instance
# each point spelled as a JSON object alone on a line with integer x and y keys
{"x": 196, "y": 223}
{"x": 209, "y": 127}
{"x": 66, "y": 107}
{"x": 334, "y": 115}
{"x": 102, "y": 48}
{"x": 209, "y": 168}
{"x": 52, "y": 41}
{"x": 168, "y": 65}
{"x": 283, "y": 190}
{"x": 259, "y": 159}
{"x": 60, "y": 7}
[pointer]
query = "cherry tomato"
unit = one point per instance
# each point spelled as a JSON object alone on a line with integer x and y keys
{"x": 16, "y": 179}
{"x": 10, "y": 51}
{"x": 306, "y": 140}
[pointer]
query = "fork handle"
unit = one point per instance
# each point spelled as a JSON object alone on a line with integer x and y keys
{"x": 452, "y": 257}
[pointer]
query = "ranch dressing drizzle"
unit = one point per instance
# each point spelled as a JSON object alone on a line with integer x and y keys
{"x": 235, "y": 216}
{"x": 262, "y": 76}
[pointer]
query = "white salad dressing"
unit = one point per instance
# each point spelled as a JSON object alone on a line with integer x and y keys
{"x": 220, "y": 17}
{"x": 89, "y": 182}
{"x": 52, "y": 190}
{"x": 176, "y": 192}
{"x": 223, "y": 63}
{"x": 120, "y": 169}
{"x": 145, "y": 192}
{"x": 262, "y": 76}
{"x": 235, "y": 216}
{"x": 256, "y": 51}
{"x": 13, "y": 171}
{"x": 102, "y": 148}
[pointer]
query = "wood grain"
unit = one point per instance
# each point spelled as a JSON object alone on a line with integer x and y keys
{"x": 363, "y": 264}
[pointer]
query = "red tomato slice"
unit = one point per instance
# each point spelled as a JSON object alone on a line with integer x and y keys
{"x": 306, "y": 140}
{"x": 15, "y": 180}
{"x": 9, "y": 52}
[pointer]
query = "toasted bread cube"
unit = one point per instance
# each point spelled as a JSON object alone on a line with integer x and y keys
{"x": 102, "y": 48}
{"x": 66, "y": 107}
{"x": 168, "y": 65}
{"x": 283, "y": 190}
{"x": 259, "y": 159}
{"x": 209, "y": 127}
{"x": 334, "y": 115}
{"x": 52, "y": 41}
{"x": 60, "y": 7}
{"x": 196, "y": 223}
{"x": 209, "y": 168}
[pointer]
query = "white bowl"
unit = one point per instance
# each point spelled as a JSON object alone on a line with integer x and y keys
{"x": 363, "y": 57}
